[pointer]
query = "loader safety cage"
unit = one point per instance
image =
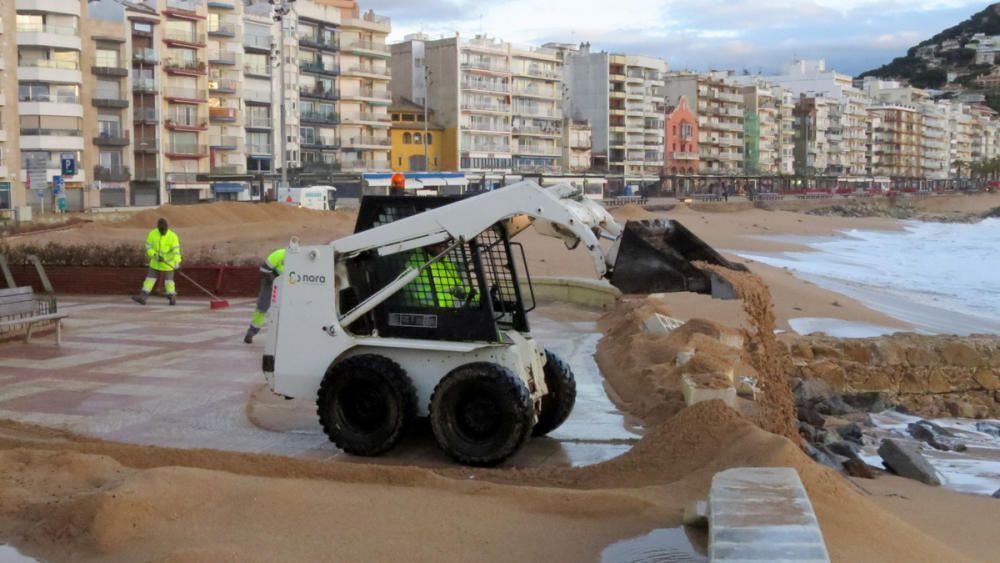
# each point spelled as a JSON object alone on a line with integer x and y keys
{"x": 470, "y": 293}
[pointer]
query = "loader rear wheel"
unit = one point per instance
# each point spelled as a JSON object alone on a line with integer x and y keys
{"x": 559, "y": 401}
{"x": 365, "y": 404}
{"x": 481, "y": 414}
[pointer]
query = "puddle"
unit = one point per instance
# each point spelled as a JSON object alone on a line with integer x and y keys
{"x": 10, "y": 554}
{"x": 839, "y": 328}
{"x": 665, "y": 545}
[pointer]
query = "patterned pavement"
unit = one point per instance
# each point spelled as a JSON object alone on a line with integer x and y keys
{"x": 182, "y": 377}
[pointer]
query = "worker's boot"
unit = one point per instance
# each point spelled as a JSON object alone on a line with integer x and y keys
{"x": 251, "y": 332}
{"x": 172, "y": 297}
{"x": 140, "y": 298}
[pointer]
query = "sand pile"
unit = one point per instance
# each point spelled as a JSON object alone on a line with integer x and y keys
{"x": 230, "y": 213}
{"x": 632, "y": 212}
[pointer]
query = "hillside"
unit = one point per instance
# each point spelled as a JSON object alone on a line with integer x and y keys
{"x": 927, "y": 64}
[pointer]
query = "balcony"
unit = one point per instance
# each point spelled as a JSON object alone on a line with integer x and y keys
{"x": 112, "y": 137}
{"x": 480, "y": 65}
{"x": 184, "y": 9}
{"x": 366, "y": 141}
{"x": 369, "y": 21}
{"x": 260, "y": 71}
{"x": 367, "y": 71}
{"x": 532, "y": 149}
{"x": 147, "y": 174}
{"x": 494, "y": 127}
{"x": 112, "y": 174}
{"x": 316, "y": 67}
{"x": 260, "y": 149}
{"x": 320, "y": 167}
{"x": 108, "y": 100}
{"x": 51, "y": 132}
{"x": 49, "y": 98}
{"x": 490, "y": 108}
{"x": 227, "y": 142}
{"x": 223, "y": 86}
{"x": 680, "y": 155}
{"x": 228, "y": 169}
{"x": 536, "y": 92}
{"x": 257, "y": 43}
{"x": 176, "y": 149}
{"x": 221, "y": 5}
{"x": 367, "y": 46}
{"x": 325, "y": 117}
{"x": 183, "y": 121}
{"x": 146, "y": 145}
{"x": 222, "y": 30}
{"x": 359, "y": 165}
{"x": 256, "y": 122}
{"x": 221, "y": 58}
{"x": 145, "y": 56}
{"x": 109, "y": 71}
{"x": 145, "y": 85}
{"x": 222, "y": 115}
{"x": 184, "y": 38}
{"x": 184, "y": 67}
{"x": 538, "y": 131}
{"x": 322, "y": 43}
{"x": 258, "y": 96}
{"x": 49, "y": 64}
{"x": 319, "y": 142}
{"x": 366, "y": 94}
{"x": 536, "y": 72}
{"x": 487, "y": 147}
{"x": 144, "y": 115}
{"x": 319, "y": 93}
{"x": 538, "y": 113}
{"x": 484, "y": 86}
{"x": 191, "y": 95}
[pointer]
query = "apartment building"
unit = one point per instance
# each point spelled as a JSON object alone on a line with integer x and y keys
{"x": 680, "y": 140}
{"x": 622, "y": 97}
{"x": 719, "y": 105}
{"x": 984, "y": 128}
{"x": 537, "y": 113}
{"x": 847, "y": 135}
{"x": 812, "y": 122}
{"x": 896, "y": 140}
{"x": 577, "y": 142}
{"x": 760, "y": 130}
{"x": 179, "y": 100}
{"x": 784, "y": 142}
{"x": 934, "y": 147}
{"x": 960, "y": 132}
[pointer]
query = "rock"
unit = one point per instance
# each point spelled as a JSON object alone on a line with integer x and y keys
{"x": 863, "y": 419}
{"x": 822, "y": 455}
{"x": 936, "y": 383}
{"x": 921, "y": 357}
{"x": 989, "y": 427}
{"x": 933, "y": 435}
{"x": 802, "y": 349}
{"x": 907, "y": 461}
{"x": 996, "y": 494}
{"x": 846, "y": 449}
{"x": 832, "y": 405}
{"x": 807, "y": 431}
{"x": 960, "y": 409}
{"x": 809, "y": 415}
{"x": 877, "y": 381}
{"x": 987, "y": 379}
{"x": 850, "y": 432}
{"x": 831, "y": 372}
{"x": 857, "y": 468}
{"x": 889, "y": 353}
{"x": 960, "y": 355}
{"x": 858, "y": 351}
{"x": 806, "y": 390}
{"x": 868, "y": 401}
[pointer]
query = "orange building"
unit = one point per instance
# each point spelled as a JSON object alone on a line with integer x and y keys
{"x": 680, "y": 140}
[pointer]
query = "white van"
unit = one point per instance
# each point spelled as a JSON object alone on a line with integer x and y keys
{"x": 322, "y": 198}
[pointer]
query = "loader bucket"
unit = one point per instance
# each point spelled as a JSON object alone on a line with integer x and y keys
{"x": 657, "y": 257}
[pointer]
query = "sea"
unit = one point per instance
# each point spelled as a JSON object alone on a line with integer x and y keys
{"x": 942, "y": 278}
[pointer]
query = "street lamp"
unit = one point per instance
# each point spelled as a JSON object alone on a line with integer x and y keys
{"x": 281, "y": 9}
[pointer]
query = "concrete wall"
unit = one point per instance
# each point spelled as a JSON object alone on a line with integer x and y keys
{"x": 586, "y": 79}
{"x": 444, "y": 96}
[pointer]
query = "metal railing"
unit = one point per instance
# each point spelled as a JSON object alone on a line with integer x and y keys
{"x": 30, "y": 27}
{"x": 368, "y": 69}
{"x": 487, "y": 147}
{"x": 483, "y": 85}
{"x": 368, "y": 45}
{"x": 487, "y": 126}
{"x": 189, "y": 149}
{"x": 256, "y": 148}
{"x": 259, "y": 122}
{"x": 112, "y": 173}
{"x": 49, "y": 98}
{"x": 535, "y": 91}
{"x": 323, "y": 93}
{"x": 257, "y": 41}
{"x": 314, "y": 66}
{"x": 479, "y": 65}
{"x": 145, "y": 55}
{"x": 145, "y": 85}
{"x": 366, "y": 140}
{"x": 184, "y": 64}
{"x": 320, "y": 140}
{"x": 223, "y": 29}
{"x": 319, "y": 116}
{"x": 192, "y": 37}
{"x": 186, "y": 93}
{"x": 36, "y": 132}
{"x": 223, "y": 85}
{"x": 222, "y": 57}
{"x": 531, "y": 130}
{"x": 319, "y": 42}
{"x": 537, "y": 149}
{"x": 228, "y": 169}
{"x": 223, "y": 141}
{"x": 147, "y": 174}
{"x": 147, "y": 144}
{"x": 144, "y": 114}
{"x": 184, "y": 119}
{"x": 259, "y": 70}
{"x": 183, "y": 5}
{"x": 257, "y": 95}
{"x": 501, "y": 108}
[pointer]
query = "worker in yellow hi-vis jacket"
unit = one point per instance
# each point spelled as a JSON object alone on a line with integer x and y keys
{"x": 270, "y": 268}
{"x": 163, "y": 248}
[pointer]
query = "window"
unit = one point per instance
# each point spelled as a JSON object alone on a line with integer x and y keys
{"x": 430, "y": 139}
{"x": 416, "y": 139}
{"x": 256, "y": 63}
{"x": 420, "y": 117}
{"x": 406, "y": 138}
{"x": 308, "y": 135}
{"x": 4, "y": 195}
{"x": 142, "y": 27}
{"x": 106, "y": 58}
{"x": 408, "y": 117}
{"x": 111, "y": 160}
{"x": 400, "y": 161}
{"x": 107, "y": 90}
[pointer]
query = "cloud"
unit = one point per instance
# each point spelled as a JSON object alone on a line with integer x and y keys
{"x": 853, "y": 35}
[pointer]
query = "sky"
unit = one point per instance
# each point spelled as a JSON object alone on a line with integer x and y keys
{"x": 752, "y": 35}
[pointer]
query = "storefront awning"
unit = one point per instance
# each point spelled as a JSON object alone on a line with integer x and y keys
{"x": 228, "y": 187}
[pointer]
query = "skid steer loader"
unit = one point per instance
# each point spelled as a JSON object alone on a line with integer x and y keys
{"x": 423, "y": 312}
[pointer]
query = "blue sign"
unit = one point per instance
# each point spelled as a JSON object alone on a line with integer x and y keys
{"x": 68, "y": 164}
{"x": 57, "y": 185}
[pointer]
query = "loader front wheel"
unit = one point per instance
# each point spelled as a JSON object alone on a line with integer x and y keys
{"x": 559, "y": 401}
{"x": 365, "y": 404}
{"x": 481, "y": 414}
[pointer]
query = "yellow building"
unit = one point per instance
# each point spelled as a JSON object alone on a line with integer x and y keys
{"x": 410, "y": 138}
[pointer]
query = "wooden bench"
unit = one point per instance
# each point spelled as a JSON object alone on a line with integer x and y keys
{"x": 20, "y": 307}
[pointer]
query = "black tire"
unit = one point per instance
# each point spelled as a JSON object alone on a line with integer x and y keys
{"x": 559, "y": 401}
{"x": 365, "y": 404}
{"x": 481, "y": 414}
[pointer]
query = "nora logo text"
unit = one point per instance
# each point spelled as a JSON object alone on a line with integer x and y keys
{"x": 311, "y": 279}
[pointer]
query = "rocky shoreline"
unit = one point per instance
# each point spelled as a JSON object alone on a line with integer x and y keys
{"x": 903, "y": 209}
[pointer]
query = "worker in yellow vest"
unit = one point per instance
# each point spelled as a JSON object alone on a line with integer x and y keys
{"x": 163, "y": 248}
{"x": 439, "y": 285}
{"x": 270, "y": 269}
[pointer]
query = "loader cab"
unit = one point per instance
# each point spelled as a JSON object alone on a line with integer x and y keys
{"x": 475, "y": 290}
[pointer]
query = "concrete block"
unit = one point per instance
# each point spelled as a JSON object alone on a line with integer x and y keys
{"x": 762, "y": 514}
{"x": 746, "y": 387}
{"x": 695, "y": 392}
{"x": 696, "y": 514}
{"x": 661, "y": 324}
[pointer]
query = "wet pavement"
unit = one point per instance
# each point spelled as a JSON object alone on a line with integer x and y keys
{"x": 182, "y": 377}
